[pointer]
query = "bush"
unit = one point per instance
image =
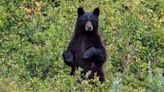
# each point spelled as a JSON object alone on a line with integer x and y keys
{"x": 33, "y": 35}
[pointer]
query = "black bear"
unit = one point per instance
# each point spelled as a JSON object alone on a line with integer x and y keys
{"x": 86, "y": 50}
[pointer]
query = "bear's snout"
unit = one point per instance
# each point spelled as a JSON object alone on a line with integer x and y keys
{"x": 88, "y": 26}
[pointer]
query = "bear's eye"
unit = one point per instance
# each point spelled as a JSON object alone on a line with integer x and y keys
{"x": 82, "y": 20}
{"x": 93, "y": 21}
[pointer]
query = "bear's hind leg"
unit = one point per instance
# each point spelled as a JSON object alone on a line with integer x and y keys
{"x": 100, "y": 73}
{"x": 73, "y": 70}
{"x": 83, "y": 74}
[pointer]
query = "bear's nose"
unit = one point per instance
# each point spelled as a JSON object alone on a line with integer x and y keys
{"x": 88, "y": 26}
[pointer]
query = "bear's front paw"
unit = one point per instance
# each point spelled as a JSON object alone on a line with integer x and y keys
{"x": 90, "y": 53}
{"x": 68, "y": 57}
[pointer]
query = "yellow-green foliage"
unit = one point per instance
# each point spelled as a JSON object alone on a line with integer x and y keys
{"x": 34, "y": 33}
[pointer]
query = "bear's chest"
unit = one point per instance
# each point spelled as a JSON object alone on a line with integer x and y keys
{"x": 85, "y": 43}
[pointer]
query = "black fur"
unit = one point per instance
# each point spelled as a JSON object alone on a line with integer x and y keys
{"x": 86, "y": 50}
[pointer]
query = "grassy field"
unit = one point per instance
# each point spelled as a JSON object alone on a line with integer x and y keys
{"x": 34, "y": 34}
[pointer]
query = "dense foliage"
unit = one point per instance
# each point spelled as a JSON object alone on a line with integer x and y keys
{"x": 34, "y": 33}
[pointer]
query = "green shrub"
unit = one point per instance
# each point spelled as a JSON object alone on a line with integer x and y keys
{"x": 34, "y": 33}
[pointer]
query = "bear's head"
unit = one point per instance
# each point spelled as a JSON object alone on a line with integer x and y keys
{"x": 87, "y": 22}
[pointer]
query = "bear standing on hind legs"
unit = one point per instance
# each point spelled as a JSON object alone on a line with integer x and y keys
{"x": 86, "y": 50}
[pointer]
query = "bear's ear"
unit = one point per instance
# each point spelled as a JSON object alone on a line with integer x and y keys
{"x": 80, "y": 11}
{"x": 96, "y": 12}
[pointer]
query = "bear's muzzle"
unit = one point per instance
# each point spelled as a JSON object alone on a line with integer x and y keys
{"x": 89, "y": 26}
